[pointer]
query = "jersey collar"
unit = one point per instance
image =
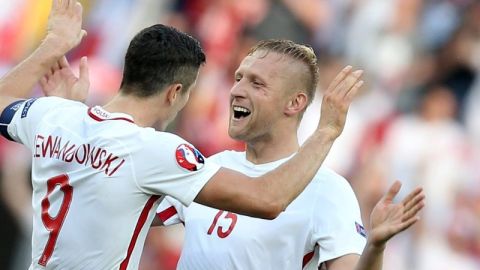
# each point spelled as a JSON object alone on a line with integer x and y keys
{"x": 99, "y": 114}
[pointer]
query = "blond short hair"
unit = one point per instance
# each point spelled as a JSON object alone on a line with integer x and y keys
{"x": 302, "y": 53}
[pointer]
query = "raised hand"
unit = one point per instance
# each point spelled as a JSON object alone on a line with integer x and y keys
{"x": 337, "y": 99}
{"x": 388, "y": 219}
{"x": 65, "y": 23}
{"x": 61, "y": 81}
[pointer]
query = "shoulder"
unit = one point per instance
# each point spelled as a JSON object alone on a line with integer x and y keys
{"x": 35, "y": 110}
{"x": 227, "y": 156}
{"x": 332, "y": 186}
{"x": 55, "y": 102}
{"x": 165, "y": 140}
{"x": 327, "y": 176}
{"x": 166, "y": 147}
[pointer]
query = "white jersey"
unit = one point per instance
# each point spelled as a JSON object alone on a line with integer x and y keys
{"x": 321, "y": 224}
{"x": 97, "y": 179}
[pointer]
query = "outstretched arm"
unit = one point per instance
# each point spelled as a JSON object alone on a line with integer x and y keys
{"x": 64, "y": 33}
{"x": 386, "y": 220}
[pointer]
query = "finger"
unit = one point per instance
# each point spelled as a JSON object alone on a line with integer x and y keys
{"x": 83, "y": 70}
{"x": 55, "y": 4}
{"x": 412, "y": 195}
{"x": 78, "y": 9}
{"x": 414, "y": 201}
{"x": 392, "y": 191}
{"x": 63, "y": 4}
{"x": 353, "y": 91}
{"x": 63, "y": 62}
{"x": 44, "y": 82}
{"x": 406, "y": 224}
{"x": 83, "y": 84}
{"x": 55, "y": 67}
{"x": 339, "y": 78}
{"x": 83, "y": 34}
{"x": 48, "y": 75}
{"x": 68, "y": 4}
{"x": 350, "y": 82}
{"x": 413, "y": 211}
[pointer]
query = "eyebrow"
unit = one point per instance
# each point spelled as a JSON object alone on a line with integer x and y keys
{"x": 251, "y": 75}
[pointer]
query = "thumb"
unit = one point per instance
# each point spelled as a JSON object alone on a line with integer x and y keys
{"x": 44, "y": 83}
{"x": 392, "y": 191}
{"x": 84, "y": 75}
{"x": 83, "y": 33}
{"x": 81, "y": 36}
{"x": 63, "y": 62}
{"x": 81, "y": 89}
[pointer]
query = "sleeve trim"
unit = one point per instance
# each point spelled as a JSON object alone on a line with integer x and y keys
{"x": 7, "y": 116}
{"x": 164, "y": 215}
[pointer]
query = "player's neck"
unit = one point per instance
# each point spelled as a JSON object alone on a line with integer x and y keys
{"x": 263, "y": 151}
{"x": 146, "y": 112}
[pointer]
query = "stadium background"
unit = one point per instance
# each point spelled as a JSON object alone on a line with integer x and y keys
{"x": 416, "y": 119}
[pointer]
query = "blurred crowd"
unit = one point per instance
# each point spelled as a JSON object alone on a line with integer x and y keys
{"x": 416, "y": 119}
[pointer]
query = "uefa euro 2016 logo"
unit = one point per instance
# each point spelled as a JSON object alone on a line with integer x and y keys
{"x": 189, "y": 158}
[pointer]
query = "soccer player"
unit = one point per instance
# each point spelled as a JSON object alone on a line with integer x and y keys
{"x": 273, "y": 86}
{"x": 98, "y": 173}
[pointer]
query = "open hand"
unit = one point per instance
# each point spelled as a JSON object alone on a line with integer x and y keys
{"x": 61, "y": 81}
{"x": 65, "y": 23}
{"x": 388, "y": 219}
{"x": 337, "y": 99}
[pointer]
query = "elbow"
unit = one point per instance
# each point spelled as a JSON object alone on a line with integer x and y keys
{"x": 272, "y": 209}
{"x": 272, "y": 204}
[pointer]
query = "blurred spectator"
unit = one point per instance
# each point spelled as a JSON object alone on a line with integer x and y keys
{"x": 429, "y": 148}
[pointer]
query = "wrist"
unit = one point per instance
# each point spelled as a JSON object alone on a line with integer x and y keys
{"x": 56, "y": 44}
{"x": 50, "y": 51}
{"x": 326, "y": 134}
{"x": 376, "y": 247}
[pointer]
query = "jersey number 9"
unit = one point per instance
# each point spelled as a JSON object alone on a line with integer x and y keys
{"x": 54, "y": 224}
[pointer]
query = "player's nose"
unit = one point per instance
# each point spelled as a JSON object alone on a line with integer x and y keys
{"x": 238, "y": 90}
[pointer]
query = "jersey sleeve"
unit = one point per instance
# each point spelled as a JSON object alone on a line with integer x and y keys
{"x": 337, "y": 224}
{"x": 20, "y": 119}
{"x": 174, "y": 167}
{"x": 170, "y": 211}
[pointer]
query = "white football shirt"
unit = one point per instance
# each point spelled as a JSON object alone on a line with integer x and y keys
{"x": 321, "y": 224}
{"x": 97, "y": 178}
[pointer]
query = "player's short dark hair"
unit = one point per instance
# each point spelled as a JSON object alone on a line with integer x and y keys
{"x": 299, "y": 52}
{"x": 158, "y": 56}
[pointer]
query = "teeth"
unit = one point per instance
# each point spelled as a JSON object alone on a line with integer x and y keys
{"x": 240, "y": 109}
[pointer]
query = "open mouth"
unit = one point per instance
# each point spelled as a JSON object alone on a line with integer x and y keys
{"x": 240, "y": 112}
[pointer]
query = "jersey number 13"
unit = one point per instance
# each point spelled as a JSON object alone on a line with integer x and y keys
{"x": 220, "y": 232}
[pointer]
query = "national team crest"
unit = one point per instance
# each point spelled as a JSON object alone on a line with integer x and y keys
{"x": 360, "y": 229}
{"x": 189, "y": 158}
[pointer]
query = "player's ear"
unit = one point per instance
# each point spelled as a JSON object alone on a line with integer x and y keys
{"x": 173, "y": 91}
{"x": 296, "y": 103}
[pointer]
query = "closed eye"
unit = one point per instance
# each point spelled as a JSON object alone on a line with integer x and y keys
{"x": 257, "y": 84}
{"x": 238, "y": 77}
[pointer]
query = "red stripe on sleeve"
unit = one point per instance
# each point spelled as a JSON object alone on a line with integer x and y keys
{"x": 167, "y": 213}
{"x": 307, "y": 258}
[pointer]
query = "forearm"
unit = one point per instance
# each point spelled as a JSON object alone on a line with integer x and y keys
{"x": 372, "y": 258}
{"x": 287, "y": 182}
{"x": 268, "y": 195}
{"x": 19, "y": 82}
